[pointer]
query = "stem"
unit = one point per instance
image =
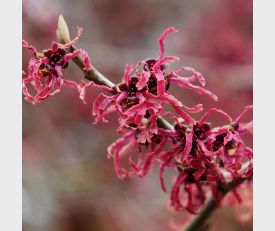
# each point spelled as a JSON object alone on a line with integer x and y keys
{"x": 94, "y": 75}
{"x": 199, "y": 220}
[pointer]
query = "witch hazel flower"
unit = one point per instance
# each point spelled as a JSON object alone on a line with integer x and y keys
{"x": 137, "y": 97}
{"x": 45, "y": 70}
{"x": 232, "y": 151}
{"x": 141, "y": 156}
{"x": 205, "y": 158}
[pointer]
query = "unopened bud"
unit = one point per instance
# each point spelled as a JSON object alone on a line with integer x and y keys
{"x": 62, "y": 31}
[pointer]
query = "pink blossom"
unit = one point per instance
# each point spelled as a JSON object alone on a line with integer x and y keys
{"x": 45, "y": 70}
{"x": 137, "y": 97}
{"x": 204, "y": 156}
{"x": 141, "y": 156}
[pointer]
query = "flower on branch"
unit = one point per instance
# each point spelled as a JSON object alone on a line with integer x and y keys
{"x": 45, "y": 70}
{"x": 144, "y": 90}
{"x": 141, "y": 155}
{"x": 205, "y": 157}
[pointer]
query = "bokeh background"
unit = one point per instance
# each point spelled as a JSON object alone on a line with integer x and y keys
{"x": 68, "y": 182}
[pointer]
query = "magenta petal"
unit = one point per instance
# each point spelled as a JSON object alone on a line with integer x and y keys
{"x": 45, "y": 60}
{"x": 26, "y": 45}
{"x": 172, "y": 100}
{"x": 26, "y": 93}
{"x": 150, "y": 160}
{"x": 208, "y": 153}
{"x": 188, "y": 146}
{"x": 175, "y": 103}
{"x": 70, "y": 84}
{"x": 227, "y": 138}
{"x": 247, "y": 109}
{"x": 118, "y": 149}
{"x": 100, "y": 107}
{"x": 164, "y": 60}
{"x": 140, "y": 109}
{"x": 184, "y": 115}
{"x": 175, "y": 193}
{"x": 196, "y": 75}
{"x": 161, "y": 83}
{"x": 161, "y": 172}
{"x": 182, "y": 83}
{"x": 197, "y": 108}
{"x": 86, "y": 60}
{"x": 211, "y": 112}
{"x": 162, "y": 38}
{"x": 165, "y": 161}
{"x": 248, "y": 127}
{"x": 199, "y": 173}
{"x": 248, "y": 152}
{"x": 97, "y": 102}
{"x": 175, "y": 118}
{"x": 119, "y": 99}
{"x": 165, "y": 98}
{"x": 142, "y": 82}
{"x": 127, "y": 74}
{"x": 54, "y": 46}
{"x": 72, "y": 55}
{"x": 83, "y": 86}
{"x": 74, "y": 41}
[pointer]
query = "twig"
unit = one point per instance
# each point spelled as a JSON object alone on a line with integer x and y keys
{"x": 94, "y": 75}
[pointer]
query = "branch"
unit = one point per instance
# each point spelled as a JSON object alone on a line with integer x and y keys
{"x": 95, "y": 76}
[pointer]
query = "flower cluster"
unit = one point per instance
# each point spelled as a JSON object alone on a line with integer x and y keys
{"x": 203, "y": 156}
{"x": 143, "y": 92}
{"x": 45, "y": 70}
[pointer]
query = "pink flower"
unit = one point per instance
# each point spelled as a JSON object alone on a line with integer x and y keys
{"x": 204, "y": 156}
{"x": 229, "y": 146}
{"x": 141, "y": 155}
{"x": 137, "y": 97}
{"x": 45, "y": 70}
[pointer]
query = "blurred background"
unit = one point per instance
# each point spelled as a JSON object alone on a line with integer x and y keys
{"x": 68, "y": 182}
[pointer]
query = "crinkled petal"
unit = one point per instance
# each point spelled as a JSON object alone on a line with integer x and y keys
{"x": 162, "y": 38}
{"x": 142, "y": 82}
{"x": 30, "y": 48}
{"x": 187, "y": 147}
{"x": 161, "y": 83}
{"x": 247, "y": 109}
{"x": 196, "y": 75}
{"x": 182, "y": 83}
{"x": 86, "y": 60}
{"x": 164, "y": 60}
{"x": 127, "y": 74}
{"x": 72, "y": 55}
{"x": 211, "y": 112}
{"x": 74, "y": 41}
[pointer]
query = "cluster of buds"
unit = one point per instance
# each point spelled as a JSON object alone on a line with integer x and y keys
{"x": 203, "y": 156}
